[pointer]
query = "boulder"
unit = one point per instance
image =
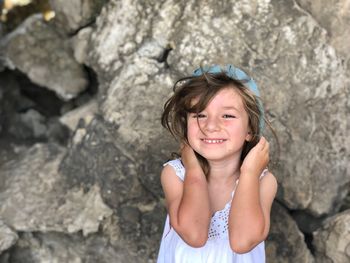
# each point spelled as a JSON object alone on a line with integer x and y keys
{"x": 38, "y": 51}
{"x": 96, "y": 157}
{"x": 332, "y": 240}
{"x": 85, "y": 112}
{"x": 33, "y": 196}
{"x": 80, "y": 43}
{"x": 7, "y": 237}
{"x": 285, "y": 50}
{"x": 285, "y": 242}
{"x": 59, "y": 247}
{"x": 334, "y": 16}
{"x": 70, "y": 16}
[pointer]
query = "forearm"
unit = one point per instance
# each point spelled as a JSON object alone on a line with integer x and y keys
{"x": 246, "y": 218}
{"x": 194, "y": 208}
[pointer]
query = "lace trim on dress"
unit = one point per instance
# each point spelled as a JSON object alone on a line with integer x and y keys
{"x": 178, "y": 167}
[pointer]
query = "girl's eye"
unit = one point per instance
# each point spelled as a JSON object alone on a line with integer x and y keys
{"x": 228, "y": 116}
{"x": 199, "y": 115}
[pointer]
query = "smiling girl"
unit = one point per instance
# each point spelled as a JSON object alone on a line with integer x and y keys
{"x": 219, "y": 194}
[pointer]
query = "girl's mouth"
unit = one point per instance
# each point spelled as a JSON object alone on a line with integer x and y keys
{"x": 213, "y": 141}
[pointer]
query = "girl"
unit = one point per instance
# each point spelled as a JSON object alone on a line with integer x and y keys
{"x": 219, "y": 194}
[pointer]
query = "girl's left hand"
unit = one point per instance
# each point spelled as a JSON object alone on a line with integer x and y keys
{"x": 257, "y": 159}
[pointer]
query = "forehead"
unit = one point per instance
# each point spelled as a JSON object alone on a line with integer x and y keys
{"x": 227, "y": 97}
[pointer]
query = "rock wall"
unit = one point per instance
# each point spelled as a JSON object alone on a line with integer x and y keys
{"x": 94, "y": 195}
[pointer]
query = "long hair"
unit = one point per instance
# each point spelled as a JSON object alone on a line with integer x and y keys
{"x": 202, "y": 90}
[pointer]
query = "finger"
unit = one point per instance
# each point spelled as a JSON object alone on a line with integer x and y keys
{"x": 262, "y": 142}
{"x": 267, "y": 145}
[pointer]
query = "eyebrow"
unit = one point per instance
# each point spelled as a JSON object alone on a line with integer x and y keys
{"x": 230, "y": 108}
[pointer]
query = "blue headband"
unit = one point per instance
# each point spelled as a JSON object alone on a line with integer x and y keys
{"x": 237, "y": 74}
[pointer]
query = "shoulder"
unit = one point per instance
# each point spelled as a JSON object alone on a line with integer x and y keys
{"x": 175, "y": 166}
{"x": 268, "y": 185}
{"x": 172, "y": 184}
{"x": 269, "y": 179}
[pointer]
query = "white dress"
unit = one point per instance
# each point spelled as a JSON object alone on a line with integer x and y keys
{"x": 217, "y": 249}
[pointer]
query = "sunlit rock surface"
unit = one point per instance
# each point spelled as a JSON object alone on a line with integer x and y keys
{"x": 38, "y": 51}
{"x": 70, "y": 16}
{"x": 303, "y": 81}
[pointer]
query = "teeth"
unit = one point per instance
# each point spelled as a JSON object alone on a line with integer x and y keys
{"x": 213, "y": 141}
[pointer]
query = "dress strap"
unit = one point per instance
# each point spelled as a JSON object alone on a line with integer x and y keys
{"x": 265, "y": 172}
{"x": 178, "y": 167}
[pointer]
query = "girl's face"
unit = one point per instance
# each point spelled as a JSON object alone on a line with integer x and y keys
{"x": 221, "y": 129}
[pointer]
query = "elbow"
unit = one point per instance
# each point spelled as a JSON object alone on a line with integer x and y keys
{"x": 196, "y": 241}
{"x": 242, "y": 245}
{"x": 193, "y": 237}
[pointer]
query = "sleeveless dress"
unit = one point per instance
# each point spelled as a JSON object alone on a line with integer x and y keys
{"x": 217, "y": 249}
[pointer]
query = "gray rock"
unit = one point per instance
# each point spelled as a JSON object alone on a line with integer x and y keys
{"x": 22, "y": 118}
{"x": 85, "y": 112}
{"x": 33, "y": 122}
{"x": 285, "y": 242}
{"x": 95, "y": 157}
{"x": 7, "y": 237}
{"x": 138, "y": 49}
{"x": 34, "y": 198}
{"x": 12, "y": 103}
{"x": 298, "y": 70}
{"x": 58, "y": 247}
{"x": 332, "y": 240}
{"x": 334, "y": 16}
{"x": 80, "y": 44}
{"x": 75, "y": 14}
{"x": 1, "y": 110}
{"x": 39, "y": 52}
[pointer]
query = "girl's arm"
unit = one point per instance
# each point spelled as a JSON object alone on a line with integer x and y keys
{"x": 188, "y": 201}
{"x": 249, "y": 219}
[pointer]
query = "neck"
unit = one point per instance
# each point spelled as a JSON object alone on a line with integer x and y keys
{"x": 225, "y": 170}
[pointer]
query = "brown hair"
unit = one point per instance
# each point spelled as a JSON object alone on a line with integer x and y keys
{"x": 203, "y": 88}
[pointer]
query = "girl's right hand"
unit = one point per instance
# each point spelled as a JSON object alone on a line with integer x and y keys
{"x": 188, "y": 157}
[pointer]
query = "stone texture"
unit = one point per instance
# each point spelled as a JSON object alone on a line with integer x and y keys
{"x": 33, "y": 197}
{"x": 99, "y": 199}
{"x": 28, "y": 118}
{"x": 7, "y": 237}
{"x": 80, "y": 44}
{"x": 285, "y": 242}
{"x": 72, "y": 15}
{"x": 38, "y": 51}
{"x": 334, "y": 16}
{"x": 95, "y": 157}
{"x": 59, "y": 247}
{"x": 302, "y": 80}
{"x": 332, "y": 240}
{"x": 85, "y": 113}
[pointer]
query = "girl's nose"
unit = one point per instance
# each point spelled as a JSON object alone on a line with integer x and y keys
{"x": 212, "y": 124}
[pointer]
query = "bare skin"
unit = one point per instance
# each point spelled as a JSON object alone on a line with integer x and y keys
{"x": 188, "y": 201}
{"x": 249, "y": 218}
